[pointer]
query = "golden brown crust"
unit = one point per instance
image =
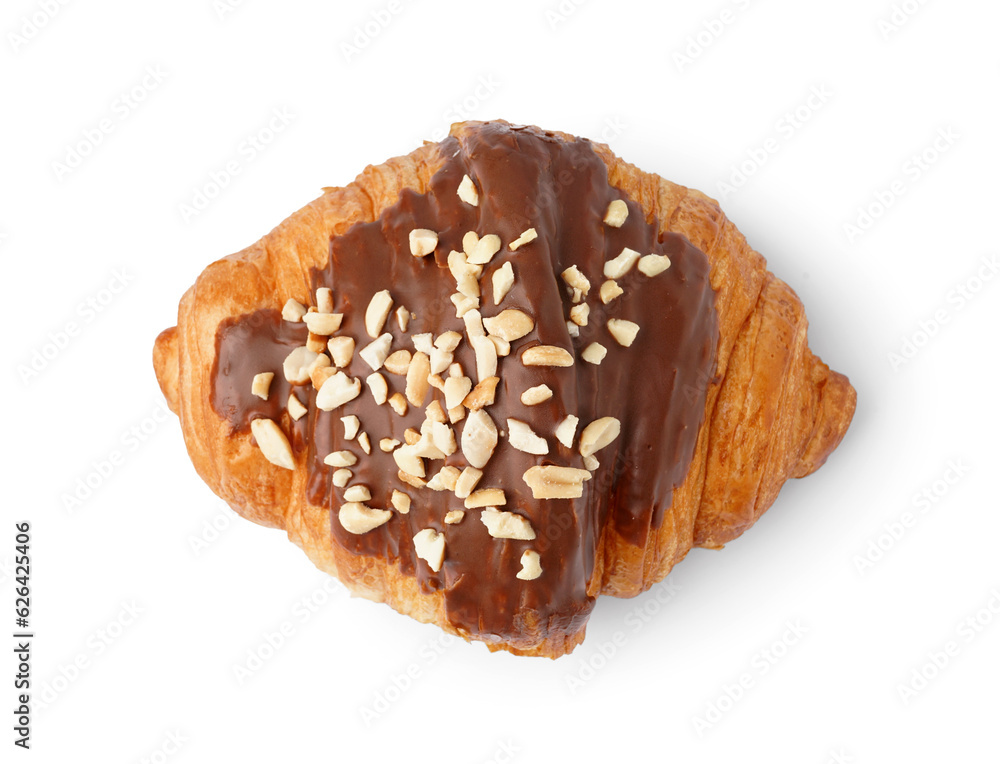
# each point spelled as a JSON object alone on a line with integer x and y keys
{"x": 773, "y": 410}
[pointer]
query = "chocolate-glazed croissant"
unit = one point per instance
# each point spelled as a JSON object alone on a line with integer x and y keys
{"x": 495, "y": 378}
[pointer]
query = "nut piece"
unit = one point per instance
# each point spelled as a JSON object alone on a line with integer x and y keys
{"x": 573, "y": 329}
{"x": 653, "y": 265}
{"x": 429, "y": 545}
{"x": 422, "y": 241}
{"x": 535, "y": 395}
{"x": 531, "y": 568}
{"x": 358, "y": 518}
{"x": 448, "y": 341}
{"x": 341, "y": 350}
{"x": 296, "y": 365}
{"x": 351, "y": 426}
{"x": 423, "y": 343}
{"x": 435, "y": 413}
{"x": 272, "y": 443}
{"x": 397, "y": 363}
{"x": 598, "y": 434}
{"x": 455, "y": 390}
{"x": 485, "y": 497}
{"x": 616, "y": 214}
{"x": 502, "y": 346}
{"x": 467, "y": 482}
{"x": 295, "y": 408}
{"x": 576, "y": 281}
{"x": 510, "y": 324}
{"x": 293, "y": 311}
{"x": 402, "y": 317}
{"x": 546, "y": 355}
{"x": 261, "y": 386}
{"x": 467, "y": 191}
{"x": 623, "y": 331}
{"x": 321, "y": 373}
{"x": 323, "y": 324}
{"x": 619, "y": 266}
{"x": 579, "y": 314}
{"x": 566, "y": 430}
{"x": 406, "y": 477}
{"x": 454, "y": 516}
{"x": 484, "y": 250}
{"x": 591, "y": 463}
{"x": 400, "y": 502}
{"x": 507, "y": 525}
{"x": 315, "y": 342}
{"x": 469, "y": 242}
{"x": 376, "y": 351}
{"x": 465, "y": 274}
{"x": 503, "y": 280}
{"x": 482, "y": 395}
{"x": 377, "y": 312}
{"x": 523, "y": 438}
{"x": 417, "y": 383}
{"x": 444, "y": 480}
{"x": 365, "y": 442}
{"x": 398, "y": 403}
{"x": 324, "y": 300}
{"x": 474, "y": 324}
{"x": 336, "y": 391}
{"x": 552, "y": 482}
{"x": 388, "y": 444}
{"x": 594, "y": 353}
{"x": 479, "y": 438}
{"x": 486, "y": 358}
{"x": 357, "y": 493}
{"x": 342, "y": 477}
{"x": 610, "y": 290}
{"x": 463, "y": 304}
{"x": 340, "y": 459}
{"x": 408, "y": 461}
{"x": 379, "y": 387}
{"x": 528, "y": 236}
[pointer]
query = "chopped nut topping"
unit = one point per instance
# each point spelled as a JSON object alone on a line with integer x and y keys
{"x": 535, "y": 395}
{"x": 445, "y": 479}
{"x": 552, "y": 482}
{"x": 388, "y": 444}
{"x": 503, "y": 280}
{"x": 423, "y": 343}
{"x": 579, "y": 314}
{"x": 467, "y": 482}
{"x": 507, "y": 525}
{"x": 566, "y": 430}
{"x": 510, "y": 324}
{"x": 486, "y": 358}
{"x": 378, "y": 386}
{"x": 365, "y": 442}
{"x": 531, "y": 567}
{"x": 435, "y": 381}
{"x": 429, "y": 545}
{"x": 616, "y": 214}
{"x": 377, "y": 312}
{"x": 336, "y": 391}
{"x": 591, "y": 463}
{"x": 443, "y": 438}
{"x": 653, "y": 265}
{"x": 619, "y": 266}
{"x": 455, "y": 370}
{"x": 324, "y": 300}
{"x": 398, "y": 403}
{"x": 376, "y": 351}
{"x": 397, "y": 363}
{"x": 358, "y": 518}
{"x": 464, "y": 304}
{"x": 316, "y": 342}
{"x": 623, "y": 331}
{"x": 482, "y": 395}
{"x": 435, "y": 413}
{"x": 340, "y": 459}
{"x": 422, "y": 242}
{"x": 448, "y": 341}
{"x": 440, "y": 360}
{"x": 474, "y": 324}
{"x": 323, "y": 324}
{"x": 598, "y": 434}
{"x": 351, "y": 426}
{"x": 501, "y": 345}
{"x": 486, "y": 247}
{"x": 469, "y": 242}
{"x": 467, "y": 191}
{"x": 528, "y": 236}
{"x": 576, "y": 280}
{"x": 341, "y": 350}
{"x": 454, "y": 516}
{"x": 573, "y": 329}
{"x": 546, "y": 355}
{"x": 466, "y": 275}
{"x": 296, "y": 365}
{"x": 456, "y": 414}
{"x": 272, "y": 443}
{"x": 293, "y": 311}
{"x": 594, "y": 353}
{"x": 455, "y": 390}
{"x": 261, "y": 386}
{"x": 295, "y": 408}
{"x": 342, "y": 477}
{"x": 523, "y": 438}
{"x": 320, "y": 374}
{"x": 479, "y": 438}
{"x": 417, "y": 383}
{"x": 410, "y": 436}
{"x": 485, "y": 497}
{"x": 357, "y": 493}
{"x": 400, "y": 502}
{"x": 402, "y": 317}
{"x": 409, "y": 479}
{"x": 408, "y": 461}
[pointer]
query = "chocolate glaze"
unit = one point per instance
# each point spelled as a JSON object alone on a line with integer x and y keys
{"x": 656, "y": 388}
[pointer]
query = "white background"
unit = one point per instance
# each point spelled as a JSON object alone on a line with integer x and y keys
{"x": 162, "y": 612}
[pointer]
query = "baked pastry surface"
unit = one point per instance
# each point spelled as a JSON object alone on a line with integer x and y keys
{"x": 705, "y": 399}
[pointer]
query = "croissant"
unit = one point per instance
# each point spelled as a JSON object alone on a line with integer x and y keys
{"x": 497, "y": 377}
